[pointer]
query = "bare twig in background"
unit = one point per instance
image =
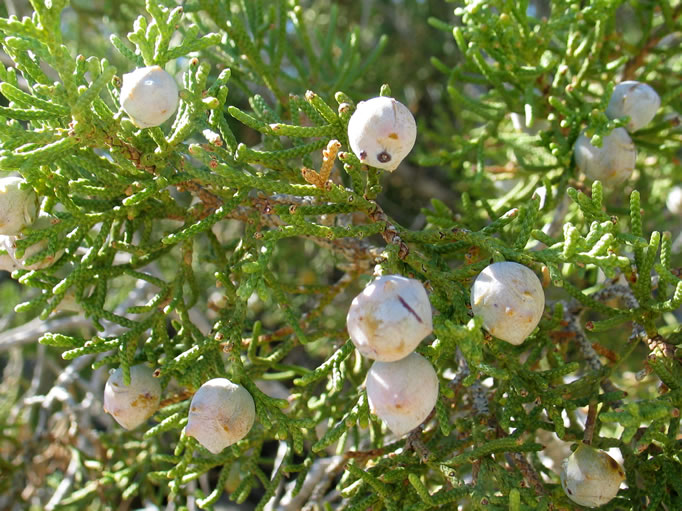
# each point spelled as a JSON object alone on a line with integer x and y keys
{"x": 65, "y": 484}
{"x": 316, "y": 482}
{"x": 282, "y": 450}
{"x": 58, "y": 405}
{"x": 30, "y": 332}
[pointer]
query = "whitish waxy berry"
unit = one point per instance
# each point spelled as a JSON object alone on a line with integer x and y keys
{"x": 402, "y": 393}
{"x": 590, "y": 477}
{"x": 9, "y": 244}
{"x": 382, "y": 132}
{"x": 636, "y": 100}
{"x": 133, "y": 404}
{"x": 149, "y": 95}
{"x": 674, "y": 200}
{"x": 509, "y": 298}
{"x": 391, "y": 316}
{"x": 612, "y": 163}
{"x": 221, "y": 413}
{"x": 18, "y": 205}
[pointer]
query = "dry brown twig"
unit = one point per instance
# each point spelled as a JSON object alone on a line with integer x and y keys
{"x": 321, "y": 179}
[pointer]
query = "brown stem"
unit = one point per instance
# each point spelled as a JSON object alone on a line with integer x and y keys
{"x": 415, "y": 442}
{"x": 390, "y": 233}
{"x": 211, "y": 201}
{"x": 364, "y": 455}
{"x": 176, "y": 398}
{"x": 590, "y": 423}
{"x": 529, "y": 473}
{"x": 475, "y": 469}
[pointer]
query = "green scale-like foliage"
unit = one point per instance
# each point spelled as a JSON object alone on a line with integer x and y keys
{"x": 200, "y": 248}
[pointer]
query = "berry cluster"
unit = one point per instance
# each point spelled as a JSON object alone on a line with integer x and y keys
{"x": 149, "y": 95}
{"x": 220, "y": 414}
{"x": 18, "y": 210}
{"x": 386, "y": 322}
{"x": 614, "y": 161}
{"x": 381, "y": 133}
{"x": 389, "y": 319}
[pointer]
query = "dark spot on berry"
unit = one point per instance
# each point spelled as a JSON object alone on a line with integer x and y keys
{"x": 363, "y": 155}
{"x": 409, "y": 309}
{"x": 393, "y": 136}
{"x": 568, "y": 490}
{"x": 383, "y": 157}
